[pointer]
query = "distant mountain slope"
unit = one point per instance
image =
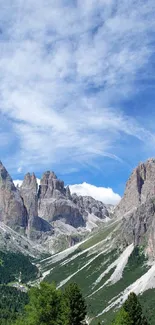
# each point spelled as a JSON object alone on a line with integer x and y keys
{"x": 105, "y": 273}
{"x": 117, "y": 259}
{"x": 111, "y": 261}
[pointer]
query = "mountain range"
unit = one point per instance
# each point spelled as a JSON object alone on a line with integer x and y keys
{"x": 109, "y": 252}
{"x": 46, "y": 215}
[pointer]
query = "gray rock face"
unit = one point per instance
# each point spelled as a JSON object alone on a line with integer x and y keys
{"x": 139, "y": 188}
{"x": 68, "y": 193}
{"x": 34, "y": 212}
{"x": 138, "y": 227}
{"x": 55, "y": 202}
{"x": 11, "y": 240}
{"x": 19, "y": 207}
{"x": 51, "y": 187}
{"x": 29, "y": 193}
{"x": 137, "y": 208}
{"x": 87, "y": 204}
{"x": 12, "y": 210}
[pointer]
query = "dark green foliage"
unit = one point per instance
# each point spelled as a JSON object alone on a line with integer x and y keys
{"x": 49, "y": 306}
{"x": 134, "y": 269}
{"x": 12, "y": 264}
{"x": 147, "y": 300}
{"x": 138, "y": 256}
{"x": 122, "y": 318}
{"x": 76, "y": 304}
{"x": 133, "y": 307}
{"x": 46, "y": 307}
{"x": 131, "y": 313}
{"x": 12, "y": 304}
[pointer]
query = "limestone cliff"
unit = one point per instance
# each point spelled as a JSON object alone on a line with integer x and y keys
{"x": 137, "y": 208}
{"x": 139, "y": 188}
{"x": 55, "y": 202}
{"x": 12, "y": 210}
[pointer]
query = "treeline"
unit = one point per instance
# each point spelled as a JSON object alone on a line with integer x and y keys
{"x": 49, "y": 306}
{"x": 46, "y": 305}
{"x": 14, "y": 264}
{"x": 12, "y": 303}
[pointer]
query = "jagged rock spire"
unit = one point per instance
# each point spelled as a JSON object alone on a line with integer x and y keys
{"x": 12, "y": 210}
{"x": 51, "y": 186}
{"x": 30, "y": 182}
{"x": 29, "y": 193}
{"x": 5, "y": 179}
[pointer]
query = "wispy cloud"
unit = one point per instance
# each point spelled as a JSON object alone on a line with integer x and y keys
{"x": 65, "y": 66}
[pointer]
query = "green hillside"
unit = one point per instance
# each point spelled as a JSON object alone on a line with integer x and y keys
{"x": 15, "y": 265}
{"x": 14, "y": 268}
{"x": 94, "y": 265}
{"x": 105, "y": 273}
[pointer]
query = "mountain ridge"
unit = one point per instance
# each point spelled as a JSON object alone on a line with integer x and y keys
{"x": 47, "y": 212}
{"x": 118, "y": 257}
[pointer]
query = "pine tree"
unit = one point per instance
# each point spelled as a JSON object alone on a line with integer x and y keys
{"x": 76, "y": 304}
{"x": 122, "y": 318}
{"x": 46, "y": 307}
{"x": 134, "y": 309}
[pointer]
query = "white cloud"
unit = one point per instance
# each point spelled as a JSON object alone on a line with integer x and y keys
{"x": 18, "y": 182}
{"x": 62, "y": 67}
{"x": 106, "y": 195}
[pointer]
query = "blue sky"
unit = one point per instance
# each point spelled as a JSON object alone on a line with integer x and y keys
{"x": 77, "y": 88}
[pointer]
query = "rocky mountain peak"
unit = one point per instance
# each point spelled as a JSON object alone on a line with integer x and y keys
{"x": 90, "y": 205}
{"x": 34, "y": 212}
{"x": 12, "y": 210}
{"x": 68, "y": 193}
{"x": 51, "y": 186}
{"x": 55, "y": 201}
{"x": 29, "y": 193}
{"x": 30, "y": 182}
{"x": 6, "y": 181}
{"x": 139, "y": 187}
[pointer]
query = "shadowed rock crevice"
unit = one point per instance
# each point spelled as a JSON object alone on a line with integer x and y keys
{"x": 141, "y": 177}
